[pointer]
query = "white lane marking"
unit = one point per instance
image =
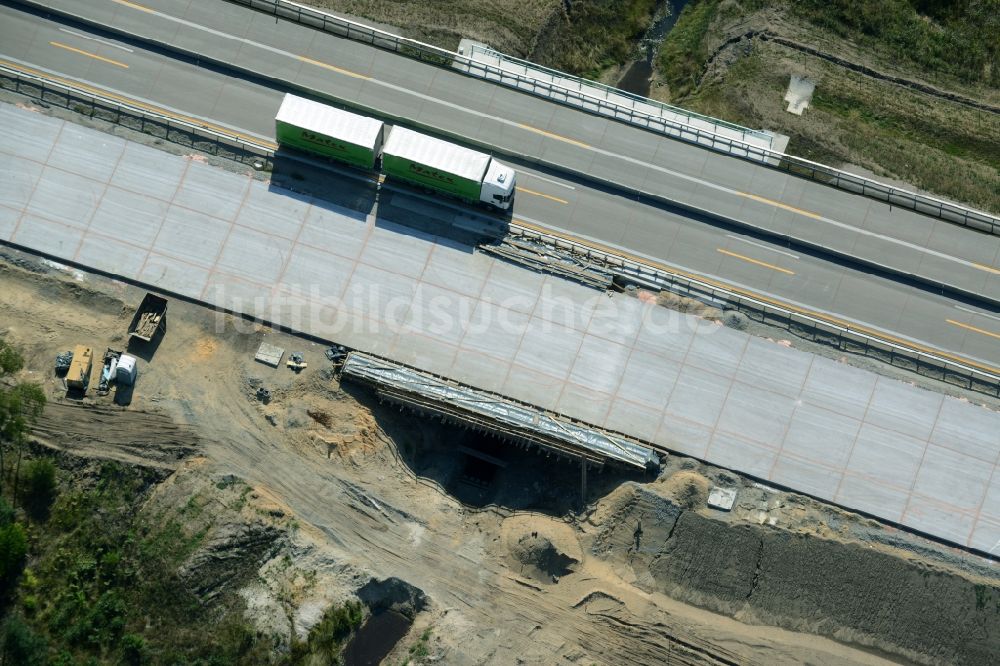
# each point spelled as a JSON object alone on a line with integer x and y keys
{"x": 762, "y": 246}
{"x": 547, "y": 180}
{"x": 599, "y": 151}
{"x": 977, "y": 312}
{"x": 97, "y": 39}
{"x": 147, "y": 102}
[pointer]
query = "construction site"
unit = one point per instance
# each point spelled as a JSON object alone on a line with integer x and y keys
{"x": 431, "y": 357}
{"x": 478, "y": 509}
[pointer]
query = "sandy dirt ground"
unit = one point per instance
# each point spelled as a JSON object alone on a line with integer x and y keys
{"x": 511, "y": 573}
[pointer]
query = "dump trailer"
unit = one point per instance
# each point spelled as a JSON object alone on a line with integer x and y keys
{"x": 317, "y": 128}
{"x": 150, "y": 316}
{"x": 446, "y": 168}
{"x": 78, "y": 377}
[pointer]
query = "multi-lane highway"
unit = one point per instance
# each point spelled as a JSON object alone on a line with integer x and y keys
{"x": 520, "y": 123}
{"x": 835, "y": 431}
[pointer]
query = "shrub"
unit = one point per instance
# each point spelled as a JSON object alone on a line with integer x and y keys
{"x": 13, "y": 549}
{"x": 38, "y": 478}
{"x": 6, "y": 513}
{"x": 10, "y": 359}
{"x": 682, "y": 55}
{"x": 21, "y": 645}
{"x": 134, "y": 650}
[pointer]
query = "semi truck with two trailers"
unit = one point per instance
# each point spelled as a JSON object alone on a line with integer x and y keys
{"x": 397, "y": 152}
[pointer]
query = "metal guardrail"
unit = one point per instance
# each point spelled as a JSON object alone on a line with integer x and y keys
{"x": 606, "y": 91}
{"x": 798, "y": 166}
{"x": 814, "y": 328}
{"x": 189, "y": 133}
{"x": 232, "y": 146}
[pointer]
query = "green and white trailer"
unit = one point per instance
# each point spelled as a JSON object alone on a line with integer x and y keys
{"x": 324, "y": 130}
{"x": 444, "y": 167}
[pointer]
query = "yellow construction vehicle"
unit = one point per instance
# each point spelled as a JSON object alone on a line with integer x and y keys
{"x": 78, "y": 377}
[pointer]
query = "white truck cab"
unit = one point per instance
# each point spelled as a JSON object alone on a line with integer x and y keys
{"x": 498, "y": 185}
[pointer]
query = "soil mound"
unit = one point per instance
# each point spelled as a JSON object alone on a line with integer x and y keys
{"x": 846, "y": 589}
{"x": 542, "y": 549}
{"x": 687, "y": 489}
{"x": 541, "y": 560}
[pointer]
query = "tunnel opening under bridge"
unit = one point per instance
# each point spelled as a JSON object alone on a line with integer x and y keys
{"x": 490, "y": 449}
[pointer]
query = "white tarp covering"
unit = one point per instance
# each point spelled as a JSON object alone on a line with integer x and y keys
{"x": 323, "y": 119}
{"x": 436, "y": 153}
{"x": 503, "y": 412}
{"x": 126, "y": 371}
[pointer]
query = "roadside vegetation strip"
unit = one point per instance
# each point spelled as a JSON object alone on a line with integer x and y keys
{"x": 870, "y": 72}
{"x": 918, "y": 33}
{"x": 871, "y": 108}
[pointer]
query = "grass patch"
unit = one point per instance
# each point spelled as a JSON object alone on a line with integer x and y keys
{"x": 102, "y": 585}
{"x": 956, "y": 38}
{"x": 683, "y": 53}
{"x": 939, "y": 146}
{"x": 581, "y": 37}
{"x": 594, "y": 35}
{"x": 328, "y": 636}
{"x": 510, "y": 28}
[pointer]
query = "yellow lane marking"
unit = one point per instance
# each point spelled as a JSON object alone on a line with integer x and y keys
{"x": 89, "y": 54}
{"x": 778, "y": 204}
{"x": 135, "y": 6}
{"x": 133, "y": 102}
{"x": 597, "y": 246}
{"x": 973, "y": 328}
{"x": 755, "y": 261}
{"x": 983, "y": 267}
{"x": 552, "y": 136}
{"x": 539, "y": 194}
{"x": 333, "y": 68}
{"x": 822, "y": 316}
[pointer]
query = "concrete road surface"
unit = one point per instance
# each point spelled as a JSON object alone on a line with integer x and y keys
{"x": 665, "y": 234}
{"x": 835, "y": 431}
{"x": 479, "y": 111}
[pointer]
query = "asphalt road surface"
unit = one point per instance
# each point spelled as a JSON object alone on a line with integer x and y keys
{"x": 792, "y": 275}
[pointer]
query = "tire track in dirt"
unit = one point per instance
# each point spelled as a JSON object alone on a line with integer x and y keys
{"x": 135, "y": 437}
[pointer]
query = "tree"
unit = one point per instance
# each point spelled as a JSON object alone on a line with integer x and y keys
{"x": 134, "y": 650}
{"x": 20, "y": 645}
{"x": 13, "y": 550}
{"x": 39, "y": 482}
{"x": 6, "y": 513}
{"x": 11, "y": 360}
{"x": 20, "y": 406}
